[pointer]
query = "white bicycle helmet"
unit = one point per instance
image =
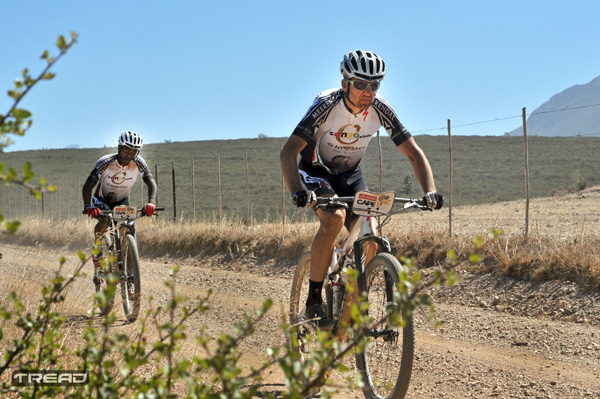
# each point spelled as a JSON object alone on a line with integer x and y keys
{"x": 131, "y": 139}
{"x": 362, "y": 64}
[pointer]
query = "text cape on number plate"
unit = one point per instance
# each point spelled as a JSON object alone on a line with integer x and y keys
{"x": 373, "y": 204}
{"x": 124, "y": 212}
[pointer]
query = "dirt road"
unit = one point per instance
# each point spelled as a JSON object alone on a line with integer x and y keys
{"x": 502, "y": 338}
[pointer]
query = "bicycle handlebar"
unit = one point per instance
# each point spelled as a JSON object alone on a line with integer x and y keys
{"x": 335, "y": 203}
{"x": 110, "y": 211}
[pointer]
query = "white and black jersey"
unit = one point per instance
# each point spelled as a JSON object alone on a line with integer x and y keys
{"x": 336, "y": 138}
{"x": 116, "y": 180}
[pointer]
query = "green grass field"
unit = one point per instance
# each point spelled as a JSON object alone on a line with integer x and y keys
{"x": 486, "y": 169}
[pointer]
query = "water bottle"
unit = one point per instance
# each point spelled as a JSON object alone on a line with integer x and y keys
{"x": 336, "y": 291}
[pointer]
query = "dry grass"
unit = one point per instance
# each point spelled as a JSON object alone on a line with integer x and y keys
{"x": 563, "y": 240}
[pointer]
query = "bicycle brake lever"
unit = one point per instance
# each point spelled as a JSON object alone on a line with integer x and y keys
{"x": 332, "y": 206}
{"x": 415, "y": 204}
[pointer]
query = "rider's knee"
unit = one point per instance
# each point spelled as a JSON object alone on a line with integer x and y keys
{"x": 333, "y": 221}
{"x": 101, "y": 227}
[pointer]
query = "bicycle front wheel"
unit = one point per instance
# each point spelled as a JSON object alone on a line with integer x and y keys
{"x": 105, "y": 291}
{"x": 386, "y": 362}
{"x": 131, "y": 288}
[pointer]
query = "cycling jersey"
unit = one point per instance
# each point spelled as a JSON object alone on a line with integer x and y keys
{"x": 116, "y": 180}
{"x": 336, "y": 138}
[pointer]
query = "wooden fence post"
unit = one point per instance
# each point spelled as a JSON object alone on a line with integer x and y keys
{"x": 247, "y": 189}
{"x": 282, "y": 192}
{"x": 156, "y": 181}
{"x": 69, "y": 201}
{"x": 174, "y": 195}
{"x": 526, "y": 173}
{"x": 219, "y": 188}
{"x": 193, "y": 193}
{"x": 449, "y": 180}
{"x": 78, "y": 214}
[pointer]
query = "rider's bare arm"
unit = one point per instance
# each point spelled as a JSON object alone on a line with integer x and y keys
{"x": 152, "y": 189}
{"x": 420, "y": 165}
{"x": 88, "y": 187}
{"x": 289, "y": 163}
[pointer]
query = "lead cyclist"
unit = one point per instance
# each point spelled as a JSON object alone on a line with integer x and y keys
{"x": 331, "y": 140}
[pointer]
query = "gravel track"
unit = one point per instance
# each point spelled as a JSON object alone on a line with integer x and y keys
{"x": 501, "y": 337}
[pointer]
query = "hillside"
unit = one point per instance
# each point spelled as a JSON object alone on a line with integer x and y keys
{"x": 578, "y": 117}
{"x": 485, "y": 170}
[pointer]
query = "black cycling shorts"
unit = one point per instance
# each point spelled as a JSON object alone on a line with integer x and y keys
{"x": 103, "y": 204}
{"x": 346, "y": 184}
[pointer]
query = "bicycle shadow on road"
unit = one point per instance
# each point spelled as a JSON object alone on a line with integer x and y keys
{"x": 97, "y": 320}
{"x": 276, "y": 393}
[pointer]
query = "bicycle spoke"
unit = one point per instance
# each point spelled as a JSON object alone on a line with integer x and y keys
{"x": 386, "y": 363}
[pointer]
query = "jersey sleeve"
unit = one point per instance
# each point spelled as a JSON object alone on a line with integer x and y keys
{"x": 316, "y": 115}
{"x": 101, "y": 165}
{"x": 390, "y": 122}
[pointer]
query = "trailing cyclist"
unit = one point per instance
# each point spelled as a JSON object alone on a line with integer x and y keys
{"x": 114, "y": 176}
{"x": 331, "y": 139}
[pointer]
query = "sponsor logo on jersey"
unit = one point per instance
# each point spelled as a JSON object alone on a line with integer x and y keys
{"x": 348, "y": 137}
{"x": 118, "y": 178}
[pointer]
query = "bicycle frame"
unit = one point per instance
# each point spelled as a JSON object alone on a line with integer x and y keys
{"x": 362, "y": 232}
{"x": 122, "y": 258}
{"x": 385, "y": 362}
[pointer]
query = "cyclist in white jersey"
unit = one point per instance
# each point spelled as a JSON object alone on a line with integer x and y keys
{"x": 331, "y": 139}
{"x": 113, "y": 177}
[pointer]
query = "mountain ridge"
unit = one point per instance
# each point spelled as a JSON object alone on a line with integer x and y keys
{"x": 574, "y": 111}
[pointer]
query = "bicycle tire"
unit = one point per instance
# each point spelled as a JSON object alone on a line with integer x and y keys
{"x": 131, "y": 278}
{"x": 305, "y": 331}
{"x": 105, "y": 304}
{"x": 386, "y": 362}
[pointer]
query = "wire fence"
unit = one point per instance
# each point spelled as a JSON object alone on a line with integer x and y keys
{"x": 239, "y": 195}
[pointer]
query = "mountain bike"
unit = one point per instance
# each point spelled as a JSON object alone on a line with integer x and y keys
{"x": 385, "y": 363}
{"x": 122, "y": 262}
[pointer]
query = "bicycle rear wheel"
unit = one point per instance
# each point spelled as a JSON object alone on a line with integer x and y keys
{"x": 106, "y": 298}
{"x": 131, "y": 288}
{"x": 386, "y": 362}
{"x": 304, "y": 330}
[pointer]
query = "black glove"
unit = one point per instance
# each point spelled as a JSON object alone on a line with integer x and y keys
{"x": 434, "y": 200}
{"x": 304, "y": 198}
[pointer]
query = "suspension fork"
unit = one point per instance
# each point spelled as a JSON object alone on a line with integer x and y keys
{"x": 359, "y": 257}
{"x": 118, "y": 245}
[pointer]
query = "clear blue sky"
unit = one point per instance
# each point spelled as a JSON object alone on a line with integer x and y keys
{"x": 197, "y": 70}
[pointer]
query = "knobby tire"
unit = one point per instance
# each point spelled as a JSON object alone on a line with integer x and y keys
{"x": 105, "y": 303}
{"x": 386, "y": 362}
{"x": 131, "y": 267}
{"x": 305, "y": 332}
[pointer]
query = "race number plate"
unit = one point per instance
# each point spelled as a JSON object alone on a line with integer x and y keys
{"x": 373, "y": 204}
{"x": 124, "y": 212}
